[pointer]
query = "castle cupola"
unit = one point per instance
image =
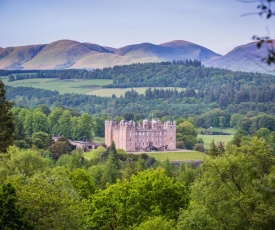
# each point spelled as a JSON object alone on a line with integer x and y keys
{"x": 145, "y": 123}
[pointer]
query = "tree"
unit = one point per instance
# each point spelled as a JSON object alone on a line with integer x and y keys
{"x": 112, "y": 172}
{"x": 61, "y": 146}
{"x": 156, "y": 223}
{"x": 129, "y": 203}
{"x": 25, "y": 162}
{"x": 82, "y": 182}
{"x": 64, "y": 124}
{"x": 231, "y": 192}
{"x": 42, "y": 140}
{"x": 11, "y": 213}
{"x": 188, "y": 133}
{"x": 50, "y": 199}
{"x": 7, "y": 126}
{"x": 83, "y": 127}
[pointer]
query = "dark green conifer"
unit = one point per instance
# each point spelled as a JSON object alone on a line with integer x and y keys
{"x": 7, "y": 126}
{"x": 11, "y": 214}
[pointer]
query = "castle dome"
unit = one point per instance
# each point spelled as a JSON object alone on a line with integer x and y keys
{"x": 154, "y": 121}
{"x": 145, "y": 121}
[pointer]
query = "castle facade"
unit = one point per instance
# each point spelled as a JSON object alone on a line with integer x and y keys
{"x": 146, "y": 136}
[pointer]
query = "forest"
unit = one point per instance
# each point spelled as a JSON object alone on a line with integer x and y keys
{"x": 47, "y": 184}
{"x": 51, "y": 185}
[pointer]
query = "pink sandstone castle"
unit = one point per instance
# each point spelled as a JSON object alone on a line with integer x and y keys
{"x": 146, "y": 136}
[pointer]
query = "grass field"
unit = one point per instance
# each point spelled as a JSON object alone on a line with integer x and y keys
{"x": 62, "y": 86}
{"x": 88, "y": 87}
{"x": 217, "y": 138}
{"x": 177, "y": 156}
{"x": 121, "y": 91}
{"x": 162, "y": 156}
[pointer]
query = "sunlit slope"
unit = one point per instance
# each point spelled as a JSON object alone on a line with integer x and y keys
{"x": 58, "y": 55}
{"x": 244, "y": 58}
{"x": 14, "y": 57}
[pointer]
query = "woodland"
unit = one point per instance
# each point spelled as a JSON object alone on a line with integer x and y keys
{"x": 47, "y": 184}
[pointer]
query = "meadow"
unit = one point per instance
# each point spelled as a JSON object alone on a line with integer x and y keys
{"x": 207, "y": 139}
{"x": 81, "y": 86}
{"x": 177, "y": 156}
{"x": 62, "y": 86}
{"x": 184, "y": 155}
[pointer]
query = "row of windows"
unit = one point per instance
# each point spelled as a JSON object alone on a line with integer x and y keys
{"x": 145, "y": 133}
{"x": 161, "y": 139}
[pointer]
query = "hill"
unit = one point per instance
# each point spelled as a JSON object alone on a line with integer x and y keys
{"x": 68, "y": 54}
{"x": 246, "y": 58}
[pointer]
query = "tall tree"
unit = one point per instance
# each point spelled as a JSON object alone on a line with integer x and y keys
{"x": 11, "y": 214}
{"x": 7, "y": 126}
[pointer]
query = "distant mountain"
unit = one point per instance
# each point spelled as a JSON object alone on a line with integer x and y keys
{"x": 246, "y": 58}
{"x": 15, "y": 57}
{"x": 65, "y": 54}
{"x": 60, "y": 55}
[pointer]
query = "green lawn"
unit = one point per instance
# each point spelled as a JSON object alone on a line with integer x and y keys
{"x": 217, "y": 138}
{"x": 104, "y": 92}
{"x": 62, "y": 86}
{"x": 81, "y": 86}
{"x": 177, "y": 156}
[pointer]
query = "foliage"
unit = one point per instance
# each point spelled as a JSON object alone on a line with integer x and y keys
{"x": 229, "y": 193}
{"x": 11, "y": 213}
{"x": 51, "y": 201}
{"x": 6, "y": 121}
{"x": 129, "y": 203}
{"x": 187, "y": 133}
{"x": 156, "y": 223}
{"x": 24, "y": 162}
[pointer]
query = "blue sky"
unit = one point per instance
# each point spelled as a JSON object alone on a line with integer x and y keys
{"x": 215, "y": 24}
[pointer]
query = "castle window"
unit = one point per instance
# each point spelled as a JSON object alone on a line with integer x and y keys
{"x": 171, "y": 138}
{"x": 130, "y": 144}
{"x": 131, "y": 138}
{"x": 143, "y": 143}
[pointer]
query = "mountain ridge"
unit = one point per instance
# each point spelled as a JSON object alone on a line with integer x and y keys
{"x": 65, "y": 53}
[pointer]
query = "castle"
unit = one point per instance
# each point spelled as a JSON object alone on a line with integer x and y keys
{"x": 146, "y": 136}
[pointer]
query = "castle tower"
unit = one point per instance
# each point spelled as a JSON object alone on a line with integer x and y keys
{"x": 170, "y": 135}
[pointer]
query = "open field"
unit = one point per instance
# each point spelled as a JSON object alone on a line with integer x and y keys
{"x": 177, "y": 156}
{"x": 81, "y": 86}
{"x": 62, "y": 86}
{"x": 217, "y": 138}
{"x": 162, "y": 156}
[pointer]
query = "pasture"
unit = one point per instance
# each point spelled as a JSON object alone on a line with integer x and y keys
{"x": 177, "y": 155}
{"x": 184, "y": 155}
{"x": 217, "y": 138}
{"x": 80, "y": 86}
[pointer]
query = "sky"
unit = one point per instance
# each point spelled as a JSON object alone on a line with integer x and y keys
{"x": 219, "y": 25}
